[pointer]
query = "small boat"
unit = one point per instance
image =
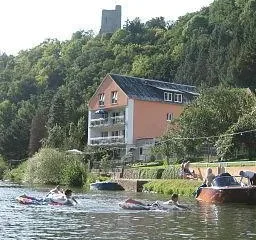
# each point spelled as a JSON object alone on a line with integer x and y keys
{"x": 226, "y": 189}
{"x": 111, "y": 186}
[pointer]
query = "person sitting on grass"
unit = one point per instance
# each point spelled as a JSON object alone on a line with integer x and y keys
{"x": 186, "y": 172}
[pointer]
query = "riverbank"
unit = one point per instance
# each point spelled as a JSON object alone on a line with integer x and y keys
{"x": 165, "y": 179}
{"x": 184, "y": 187}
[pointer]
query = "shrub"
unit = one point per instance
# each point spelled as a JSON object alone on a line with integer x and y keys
{"x": 3, "y": 167}
{"x": 150, "y": 173}
{"x": 45, "y": 167}
{"x": 180, "y": 186}
{"x": 16, "y": 174}
{"x": 50, "y": 166}
{"x": 172, "y": 172}
{"x": 73, "y": 173}
{"x": 93, "y": 177}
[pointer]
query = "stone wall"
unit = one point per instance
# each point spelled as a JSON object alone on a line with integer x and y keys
{"x": 129, "y": 180}
{"x": 132, "y": 185}
{"x": 111, "y": 20}
{"x": 234, "y": 171}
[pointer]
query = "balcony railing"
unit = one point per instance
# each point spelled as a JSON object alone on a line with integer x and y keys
{"x": 107, "y": 140}
{"x": 99, "y": 122}
{"x": 117, "y": 119}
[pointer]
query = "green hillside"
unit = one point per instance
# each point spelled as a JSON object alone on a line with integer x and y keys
{"x": 44, "y": 91}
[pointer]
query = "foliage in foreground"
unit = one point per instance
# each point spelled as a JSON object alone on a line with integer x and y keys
{"x": 180, "y": 186}
{"x": 16, "y": 174}
{"x": 157, "y": 172}
{"x": 50, "y": 166}
{"x": 3, "y": 167}
{"x": 93, "y": 177}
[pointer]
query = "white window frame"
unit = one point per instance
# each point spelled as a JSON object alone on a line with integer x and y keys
{"x": 101, "y": 99}
{"x": 115, "y": 115}
{"x": 169, "y": 116}
{"x": 178, "y": 98}
{"x": 167, "y": 96}
{"x": 114, "y": 96}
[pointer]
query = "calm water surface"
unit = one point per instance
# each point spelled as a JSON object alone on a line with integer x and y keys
{"x": 98, "y": 216}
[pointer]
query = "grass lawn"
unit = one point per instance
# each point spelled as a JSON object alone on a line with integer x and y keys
{"x": 183, "y": 187}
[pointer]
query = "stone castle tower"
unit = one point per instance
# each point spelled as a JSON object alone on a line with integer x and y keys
{"x": 111, "y": 20}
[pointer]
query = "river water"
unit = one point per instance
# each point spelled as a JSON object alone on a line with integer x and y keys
{"x": 98, "y": 216}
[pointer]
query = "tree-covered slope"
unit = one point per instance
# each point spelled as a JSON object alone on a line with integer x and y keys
{"x": 44, "y": 91}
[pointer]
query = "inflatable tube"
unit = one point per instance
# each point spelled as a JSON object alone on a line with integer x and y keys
{"x": 131, "y": 204}
{"x": 52, "y": 199}
{"x": 27, "y": 200}
{"x": 56, "y": 198}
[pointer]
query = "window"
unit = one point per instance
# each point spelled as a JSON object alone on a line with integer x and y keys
{"x": 141, "y": 150}
{"x": 167, "y": 96}
{"x": 104, "y": 134}
{"x": 178, "y": 98}
{"x": 101, "y": 99}
{"x": 105, "y": 115}
{"x": 115, "y": 116}
{"x": 115, "y": 134}
{"x": 117, "y": 153}
{"x": 169, "y": 117}
{"x": 114, "y": 97}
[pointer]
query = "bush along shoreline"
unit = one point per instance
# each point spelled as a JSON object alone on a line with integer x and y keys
{"x": 184, "y": 187}
{"x": 48, "y": 167}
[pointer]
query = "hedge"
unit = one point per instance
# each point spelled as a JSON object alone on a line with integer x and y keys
{"x": 180, "y": 186}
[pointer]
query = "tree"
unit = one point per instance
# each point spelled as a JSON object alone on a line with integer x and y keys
{"x": 158, "y": 22}
{"x": 37, "y": 132}
{"x": 170, "y": 146}
{"x": 212, "y": 114}
{"x": 242, "y": 134}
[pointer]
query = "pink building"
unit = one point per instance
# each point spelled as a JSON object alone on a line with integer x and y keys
{"x": 130, "y": 113}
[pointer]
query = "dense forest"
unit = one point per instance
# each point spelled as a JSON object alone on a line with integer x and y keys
{"x": 44, "y": 90}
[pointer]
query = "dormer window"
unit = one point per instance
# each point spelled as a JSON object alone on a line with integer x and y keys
{"x": 114, "y": 97}
{"x": 178, "y": 98}
{"x": 101, "y": 99}
{"x": 169, "y": 117}
{"x": 167, "y": 96}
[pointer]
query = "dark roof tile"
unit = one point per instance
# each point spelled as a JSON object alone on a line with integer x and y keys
{"x": 150, "y": 90}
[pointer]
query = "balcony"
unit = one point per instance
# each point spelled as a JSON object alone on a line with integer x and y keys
{"x": 99, "y": 122}
{"x": 104, "y": 122}
{"x": 117, "y": 119}
{"x": 107, "y": 140}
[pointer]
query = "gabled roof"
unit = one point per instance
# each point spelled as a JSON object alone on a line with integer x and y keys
{"x": 151, "y": 90}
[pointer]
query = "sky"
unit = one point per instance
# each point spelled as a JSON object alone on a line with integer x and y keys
{"x": 25, "y": 24}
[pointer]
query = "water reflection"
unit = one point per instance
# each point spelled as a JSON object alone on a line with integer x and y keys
{"x": 229, "y": 221}
{"x": 98, "y": 216}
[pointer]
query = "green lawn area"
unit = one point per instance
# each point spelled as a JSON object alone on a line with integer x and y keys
{"x": 200, "y": 164}
{"x": 183, "y": 187}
